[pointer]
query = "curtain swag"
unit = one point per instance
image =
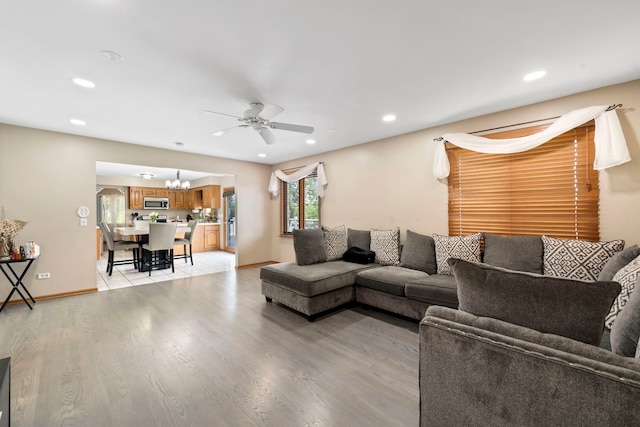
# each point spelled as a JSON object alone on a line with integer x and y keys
{"x": 611, "y": 147}
{"x": 274, "y": 187}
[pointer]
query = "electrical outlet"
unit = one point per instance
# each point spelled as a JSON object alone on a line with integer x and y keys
{"x": 44, "y": 275}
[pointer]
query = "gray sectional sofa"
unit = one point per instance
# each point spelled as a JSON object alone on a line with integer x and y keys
{"x": 405, "y": 281}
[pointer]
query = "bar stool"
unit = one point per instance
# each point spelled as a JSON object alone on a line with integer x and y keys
{"x": 187, "y": 240}
{"x": 118, "y": 246}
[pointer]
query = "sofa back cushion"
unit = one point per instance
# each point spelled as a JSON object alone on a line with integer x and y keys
{"x": 618, "y": 261}
{"x": 570, "y": 308}
{"x": 419, "y": 253}
{"x": 520, "y": 253}
{"x": 359, "y": 239}
{"x": 577, "y": 259}
{"x": 308, "y": 245}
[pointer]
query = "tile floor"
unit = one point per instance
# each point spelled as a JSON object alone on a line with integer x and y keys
{"x": 125, "y": 275}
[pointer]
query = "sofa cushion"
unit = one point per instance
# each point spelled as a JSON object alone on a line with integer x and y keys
{"x": 437, "y": 289}
{"x": 577, "y": 259}
{"x": 358, "y": 238}
{"x": 308, "y": 245}
{"x": 312, "y": 280}
{"x": 566, "y": 307}
{"x": 627, "y": 277}
{"x": 461, "y": 247}
{"x": 625, "y": 331}
{"x": 520, "y": 253}
{"x": 390, "y": 279}
{"x": 618, "y": 261}
{"x": 386, "y": 245}
{"x": 419, "y": 253}
{"x": 335, "y": 242}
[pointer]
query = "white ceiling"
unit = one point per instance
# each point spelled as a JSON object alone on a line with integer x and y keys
{"x": 336, "y": 65}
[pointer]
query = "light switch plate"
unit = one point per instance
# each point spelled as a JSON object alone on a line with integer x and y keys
{"x": 83, "y": 222}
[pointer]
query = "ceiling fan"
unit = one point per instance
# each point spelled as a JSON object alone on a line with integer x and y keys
{"x": 259, "y": 117}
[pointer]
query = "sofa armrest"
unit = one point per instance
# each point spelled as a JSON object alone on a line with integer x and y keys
{"x": 478, "y": 371}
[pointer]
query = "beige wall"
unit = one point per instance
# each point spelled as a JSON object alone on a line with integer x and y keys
{"x": 46, "y": 176}
{"x": 389, "y": 183}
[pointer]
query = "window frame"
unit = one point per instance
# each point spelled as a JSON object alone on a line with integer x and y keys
{"x": 284, "y": 191}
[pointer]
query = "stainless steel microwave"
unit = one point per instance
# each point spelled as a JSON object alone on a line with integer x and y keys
{"x": 156, "y": 203}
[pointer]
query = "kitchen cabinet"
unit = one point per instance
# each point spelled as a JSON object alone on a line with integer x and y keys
{"x": 211, "y": 237}
{"x": 211, "y": 196}
{"x": 136, "y": 199}
{"x": 155, "y": 192}
{"x": 177, "y": 199}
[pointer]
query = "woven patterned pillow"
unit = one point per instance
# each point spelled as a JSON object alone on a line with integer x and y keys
{"x": 627, "y": 277}
{"x": 462, "y": 247}
{"x": 335, "y": 242}
{"x": 386, "y": 245}
{"x": 577, "y": 259}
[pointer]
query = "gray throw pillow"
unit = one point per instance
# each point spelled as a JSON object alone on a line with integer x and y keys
{"x": 625, "y": 331}
{"x": 359, "y": 239}
{"x": 618, "y": 261}
{"x": 570, "y": 308}
{"x": 520, "y": 253}
{"x": 309, "y": 246}
{"x": 419, "y": 253}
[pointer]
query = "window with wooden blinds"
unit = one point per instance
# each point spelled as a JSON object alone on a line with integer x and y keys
{"x": 551, "y": 189}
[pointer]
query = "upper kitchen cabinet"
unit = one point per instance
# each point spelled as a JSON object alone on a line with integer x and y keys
{"x": 136, "y": 198}
{"x": 207, "y": 196}
{"x": 178, "y": 199}
{"x": 211, "y": 196}
{"x": 155, "y": 192}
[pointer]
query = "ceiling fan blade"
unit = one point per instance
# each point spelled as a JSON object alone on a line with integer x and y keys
{"x": 227, "y": 130}
{"x": 221, "y": 114}
{"x": 270, "y": 111}
{"x": 288, "y": 126}
{"x": 266, "y": 134}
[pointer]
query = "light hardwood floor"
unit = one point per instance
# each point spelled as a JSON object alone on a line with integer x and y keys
{"x": 206, "y": 351}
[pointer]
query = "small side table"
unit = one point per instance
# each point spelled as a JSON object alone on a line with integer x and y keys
{"x": 16, "y": 281}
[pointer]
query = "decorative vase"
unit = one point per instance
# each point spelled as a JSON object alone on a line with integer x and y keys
{"x": 4, "y": 247}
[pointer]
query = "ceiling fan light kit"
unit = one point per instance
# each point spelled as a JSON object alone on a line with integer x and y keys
{"x": 258, "y": 117}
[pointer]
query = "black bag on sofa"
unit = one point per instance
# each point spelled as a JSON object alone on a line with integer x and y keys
{"x": 359, "y": 255}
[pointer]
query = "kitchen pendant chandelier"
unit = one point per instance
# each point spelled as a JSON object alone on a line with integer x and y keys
{"x": 176, "y": 184}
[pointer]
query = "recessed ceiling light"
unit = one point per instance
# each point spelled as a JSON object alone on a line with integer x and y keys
{"x": 146, "y": 175}
{"x": 112, "y": 56}
{"x": 389, "y": 118}
{"x": 77, "y": 122}
{"x": 262, "y": 155}
{"x": 179, "y": 144}
{"x": 310, "y": 141}
{"x": 219, "y": 133}
{"x": 534, "y": 76}
{"x": 83, "y": 82}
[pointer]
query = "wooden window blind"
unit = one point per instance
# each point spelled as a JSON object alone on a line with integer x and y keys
{"x": 551, "y": 190}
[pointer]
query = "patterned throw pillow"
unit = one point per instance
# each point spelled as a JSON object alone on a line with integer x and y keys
{"x": 386, "y": 245}
{"x": 577, "y": 259}
{"x": 627, "y": 277}
{"x": 335, "y": 242}
{"x": 462, "y": 247}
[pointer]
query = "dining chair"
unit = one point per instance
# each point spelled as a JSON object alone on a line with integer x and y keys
{"x": 186, "y": 240}
{"x": 121, "y": 245}
{"x": 158, "y": 253}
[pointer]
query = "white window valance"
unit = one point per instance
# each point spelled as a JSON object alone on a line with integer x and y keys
{"x": 611, "y": 147}
{"x": 274, "y": 185}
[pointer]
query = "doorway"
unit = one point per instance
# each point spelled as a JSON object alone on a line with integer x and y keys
{"x": 229, "y": 202}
